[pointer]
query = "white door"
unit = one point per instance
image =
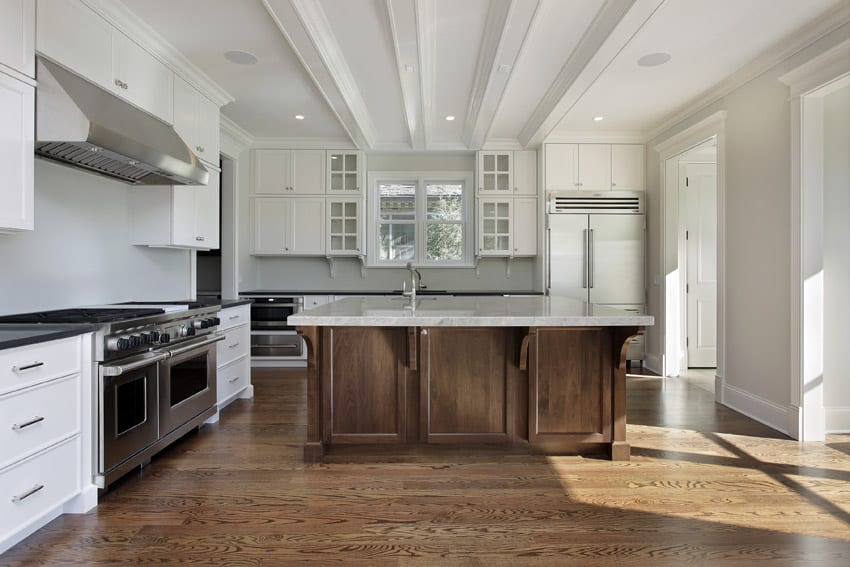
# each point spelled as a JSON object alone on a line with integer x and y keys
{"x": 701, "y": 225}
{"x": 561, "y": 167}
{"x": 145, "y": 81}
{"x": 271, "y": 172}
{"x": 207, "y": 211}
{"x": 627, "y": 167}
{"x": 594, "y": 167}
{"x": 308, "y": 172}
{"x": 616, "y": 264}
{"x": 524, "y": 226}
{"x": 271, "y": 225}
{"x": 308, "y": 225}
{"x": 567, "y": 256}
{"x": 525, "y": 173}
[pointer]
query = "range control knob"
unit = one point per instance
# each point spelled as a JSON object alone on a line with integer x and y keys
{"x": 190, "y": 331}
{"x": 135, "y": 340}
{"x": 151, "y": 337}
{"x": 215, "y": 321}
{"x": 199, "y": 324}
{"x": 164, "y": 338}
{"x": 122, "y": 343}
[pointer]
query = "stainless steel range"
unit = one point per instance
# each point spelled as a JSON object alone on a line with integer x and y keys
{"x": 156, "y": 377}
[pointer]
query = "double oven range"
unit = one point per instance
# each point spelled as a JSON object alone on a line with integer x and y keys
{"x": 155, "y": 369}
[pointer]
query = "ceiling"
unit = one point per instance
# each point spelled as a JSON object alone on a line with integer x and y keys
{"x": 383, "y": 75}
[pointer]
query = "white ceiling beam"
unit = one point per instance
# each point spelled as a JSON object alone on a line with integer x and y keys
{"x": 426, "y": 39}
{"x": 401, "y": 19}
{"x": 611, "y": 30}
{"x": 505, "y": 30}
{"x": 305, "y": 26}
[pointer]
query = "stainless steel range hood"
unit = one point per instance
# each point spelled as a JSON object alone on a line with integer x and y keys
{"x": 83, "y": 125}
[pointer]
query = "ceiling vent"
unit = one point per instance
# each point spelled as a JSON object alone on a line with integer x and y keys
{"x": 603, "y": 202}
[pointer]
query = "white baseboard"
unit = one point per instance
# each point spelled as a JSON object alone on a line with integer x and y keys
{"x": 769, "y": 413}
{"x": 837, "y": 419}
{"x": 83, "y": 502}
{"x": 654, "y": 362}
{"x": 719, "y": 381}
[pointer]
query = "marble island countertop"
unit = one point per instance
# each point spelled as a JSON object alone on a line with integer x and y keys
{"x": 435, "y": 311}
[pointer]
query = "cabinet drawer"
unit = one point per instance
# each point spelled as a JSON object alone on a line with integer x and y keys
{"x": 233, "y": 378}
{"x": 38, "y": 417}
{"x": 234, "y": 316}
{"x": 33, "y": 487}
{"x": 24, "y": 366}
{"x": 236, "y": 343}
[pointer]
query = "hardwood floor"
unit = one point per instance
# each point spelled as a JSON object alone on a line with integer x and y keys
{"x": 705, "y": 486}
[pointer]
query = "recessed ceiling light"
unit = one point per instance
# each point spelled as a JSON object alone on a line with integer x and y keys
{"x": 450, "y": 117}
{"x": 299, "y": 117}
{"x": 654, "y": 59}
{"x": 240, "y": 57}
{"x": 598, "y": 118}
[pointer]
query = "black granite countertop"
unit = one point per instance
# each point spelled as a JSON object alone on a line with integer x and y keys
{"x": 16, "y": 335}
{"x": 391, "y": 292}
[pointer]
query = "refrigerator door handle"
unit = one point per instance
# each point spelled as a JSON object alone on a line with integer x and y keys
{"x": 590, "y": 259}
{"x": 586, "y": 258}
{"x": 548, "y": 260}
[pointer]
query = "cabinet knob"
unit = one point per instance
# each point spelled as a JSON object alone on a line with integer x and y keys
{"x": 117, "y": 83}
{"x": 199, "y": 238}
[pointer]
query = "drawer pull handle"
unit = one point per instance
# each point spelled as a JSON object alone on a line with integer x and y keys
{"x": 232, "y": 317}
{"x": 28, "y": 493}
{"x": 234, "y": 379}
{"x": 234, "y": 345}
{"x": 27, "y": 366}
{"x": 33, "y": 421}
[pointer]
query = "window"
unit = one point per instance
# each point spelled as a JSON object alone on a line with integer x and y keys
{"x": 419, "y": 218}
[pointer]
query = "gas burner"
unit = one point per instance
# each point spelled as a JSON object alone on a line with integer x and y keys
{"x": 83, "y": 315}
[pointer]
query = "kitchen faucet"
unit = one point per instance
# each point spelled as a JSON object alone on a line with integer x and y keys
{"x": 415, "y": 282}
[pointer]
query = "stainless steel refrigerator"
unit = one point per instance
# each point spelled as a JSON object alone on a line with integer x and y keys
{"x": 596, "y": 244}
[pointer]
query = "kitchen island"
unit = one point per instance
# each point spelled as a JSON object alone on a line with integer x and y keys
{"x": 546, "y": 372}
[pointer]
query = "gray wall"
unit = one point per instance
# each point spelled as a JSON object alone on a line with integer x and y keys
{"x": 80, "y": 251}
{"x": 758, "y": 232}
{"x": 836, "y": 259}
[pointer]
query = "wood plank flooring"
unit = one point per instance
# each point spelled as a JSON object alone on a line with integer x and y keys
{"x": 705, "y": 486}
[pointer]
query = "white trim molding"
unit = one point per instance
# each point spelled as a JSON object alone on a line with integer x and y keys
{"x": 837, "y": 419}
{"x": 234, "y": 138}
{"x": 654, "y": 362}
{"x": 598, "y": 137}
{"x": 753, "y": 406}
{"x": 806, "y": 222}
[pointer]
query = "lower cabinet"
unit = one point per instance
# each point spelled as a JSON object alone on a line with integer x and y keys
{"x": 233, "y": 356}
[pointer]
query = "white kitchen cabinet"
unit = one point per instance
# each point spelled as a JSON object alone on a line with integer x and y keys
{"x": 178, "y": 216}
{"x": 197, "y": 120}
{"x": 344, "y": 227}
{"x": 233, "y": 355}
{"x": 17, "y": 138}
{"x": 524, "y": 226}
{"x": 17, "y": 36}
{"x": 345, "y": 170}
{"x": 525, "y": 173}
{"x": 494, "y": 227}
{"x": 289, "y": 172}
{"x": 289, "y": 226}
{"x": 561, "y": 172}
{"x": 73, "y": 35}
{"x": 495, "y": 173}
{"x": 627, "y": 167}
{"x": 594, "y": 167}
{"x": 311, "y": 301}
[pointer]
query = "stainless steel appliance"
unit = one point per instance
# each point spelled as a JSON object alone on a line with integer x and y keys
{"x": 274, "y": 342}
{"x": 156, "y": 377}
{"x": 596, "y": 250}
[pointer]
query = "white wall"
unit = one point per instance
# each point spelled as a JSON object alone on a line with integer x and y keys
{"x": 80, "y": 251}
{"x": 836, "y": 259}
{"x": 757, "y": 213}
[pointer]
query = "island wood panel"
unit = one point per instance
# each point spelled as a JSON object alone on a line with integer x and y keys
{"x": 467, "y": 385}
{"x": 365, "y": 384}
{"x": 570, "y": 376}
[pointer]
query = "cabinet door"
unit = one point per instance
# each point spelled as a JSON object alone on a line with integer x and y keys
{"x": 594, "y": 167}
{"x": 344, "y": 170}
{"x": 208, "y": 130}
{"x": 525, "y": 173}
{"x": 524, "y": 223}
{"x": 627, "y": 167}
{"x": 495, "y": 173}
{"x": 343, "y": 226}
{"x": 71, "y": 34}
{"x": 17, "y": 35}
{"x": 307, "y": 235}
{"x": 271, "y": 172}
{"x": 207, "y": 213}
{"x": 307, "y": 172}
{"x": 185, "y": 110}
{"x": 494, "y": 227}
{"x": 144, "y": 81}
{"x": 183, "y": 216}
{"x": 561, "y": 167}
{"x": 17, "y": 133}
{"x": 271, "y": 225}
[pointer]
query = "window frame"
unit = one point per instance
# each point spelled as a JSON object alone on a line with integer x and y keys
{"x": 421, "y": 179}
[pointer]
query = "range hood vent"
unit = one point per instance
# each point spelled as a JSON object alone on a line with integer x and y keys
{"x": 583, "y": 202}
{"x": 85, "y": 126}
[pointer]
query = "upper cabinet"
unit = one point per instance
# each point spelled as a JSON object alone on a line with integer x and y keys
{"x": 288, "y": 172}
{"x": 196, "y": 120}
{"x": 525, "y": 173}
{"x": 345, "y": 170}
{"x": 17, "y": 36}
{"x": 594, "y": 167}
{"x": 495, "y": 173}
{"x": 74, "y": 36}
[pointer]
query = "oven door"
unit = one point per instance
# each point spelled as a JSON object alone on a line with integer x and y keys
{"x": 187, "y": 383}
{"x": 270, "y": 313}
{"x": 129, "y": 409}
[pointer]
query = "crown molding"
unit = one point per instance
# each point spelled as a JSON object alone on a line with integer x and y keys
{"x": 426, "y": 39}
{"x": 692, "y": 135}
{"x": 506, "y": 144}
{"x": 781, "y": 51}
{"x": 122, "y": 18}
{"x": 613, "y": 27}
{"x": 591, "y": 137}
{"x": 401, "y": 20}
{"x": 813, "y": 74}
{"x": 237, "y": 137}
{"x": 448, "y": 147}
{"x": 303, "y": 143}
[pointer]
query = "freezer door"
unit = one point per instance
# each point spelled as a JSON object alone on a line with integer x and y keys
{"x": 567, "y": 255}
{"x": 616, "y": 263}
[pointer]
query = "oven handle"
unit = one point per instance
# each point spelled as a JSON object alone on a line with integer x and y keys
{"x": 120, "y": 369}
{"x": 195, "y": 346}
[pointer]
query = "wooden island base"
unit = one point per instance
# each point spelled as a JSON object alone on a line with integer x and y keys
{"x": 561, "y": 390}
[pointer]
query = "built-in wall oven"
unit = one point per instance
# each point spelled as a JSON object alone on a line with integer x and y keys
{"x": 273, "y": 341}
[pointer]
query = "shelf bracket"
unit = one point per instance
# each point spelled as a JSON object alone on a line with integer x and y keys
{"x": 362, "y": 259}
{"x": 331, "y": 266}
{"x": 477, "y": 266}
{"x": 508, "y": 267}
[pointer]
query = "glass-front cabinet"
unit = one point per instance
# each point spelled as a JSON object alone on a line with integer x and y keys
{"x": 344, "y": 172}
{"x": 494, "y": 227}
{"x": 343, "y": 224}
{"x": 495, "y": 173}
